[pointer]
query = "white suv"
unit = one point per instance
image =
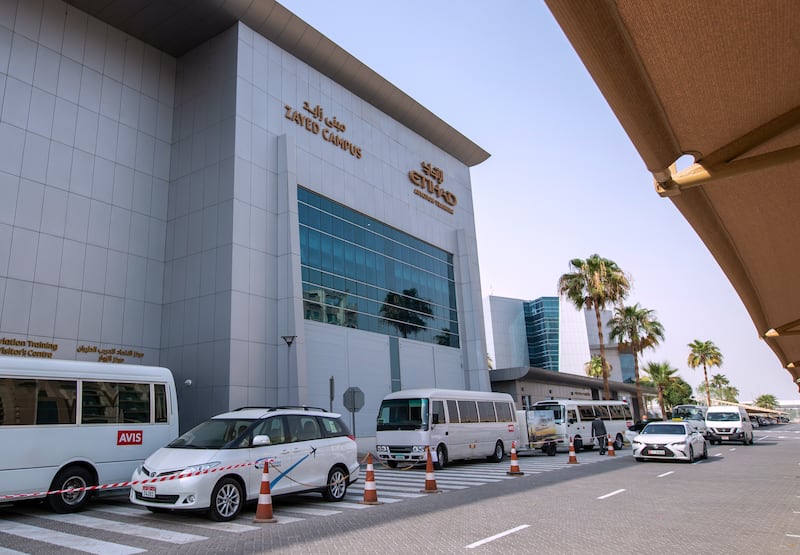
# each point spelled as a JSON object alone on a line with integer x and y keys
{"x": 307, "y": 449}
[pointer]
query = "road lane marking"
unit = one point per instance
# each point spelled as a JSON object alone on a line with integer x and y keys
{"x": 720, "y": 454}
{"x": 732, "y": 449}
{"x": 497, "y": 536}
{"x": 6, "y": 551}
{"x": 666, "y": 474}
{"x": 125, "y": 528}
{"x": 70, "y": 541}
{"x": 610, "y": 494}
{"x": 793, "y": 535}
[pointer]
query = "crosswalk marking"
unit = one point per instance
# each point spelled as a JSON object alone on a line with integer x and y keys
{"x": 124, "y": 528}
{"x": 4, "y": 551}
{"x": 69, "y": 541}
{"x": 233, "y": 527}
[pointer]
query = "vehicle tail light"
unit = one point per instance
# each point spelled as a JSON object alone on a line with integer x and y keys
{"x": 352, "y": 437}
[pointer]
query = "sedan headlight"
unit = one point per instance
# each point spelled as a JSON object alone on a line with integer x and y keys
{"x": 681, "y": 443}
{"x": 205, "y": 467}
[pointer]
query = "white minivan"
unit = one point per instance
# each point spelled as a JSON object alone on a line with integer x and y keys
{"x": 219, "y": 464}
{"x": 728, "y": 423}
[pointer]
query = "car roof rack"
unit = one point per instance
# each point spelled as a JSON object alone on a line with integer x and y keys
{"x": 283, "y": 407}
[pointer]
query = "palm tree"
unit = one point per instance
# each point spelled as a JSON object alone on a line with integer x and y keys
{"x": 766, "y": 401}
{"x": 636, "y": 328}
{"x": 594, "y": 283}
{"x": 594, "y": 368}
{"x": 662, "y": 375}
{"x": 718, "y": 382}
{"x": 705, "y": 354}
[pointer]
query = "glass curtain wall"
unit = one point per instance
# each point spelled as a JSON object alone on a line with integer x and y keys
{"x": 360, "y": 273}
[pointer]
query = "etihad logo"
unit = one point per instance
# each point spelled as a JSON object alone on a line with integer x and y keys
{"x": 429, "y": 187}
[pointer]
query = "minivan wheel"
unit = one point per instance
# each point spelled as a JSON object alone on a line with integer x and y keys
{"x": 336, "y": 487}
{"x": 619, "y": 443}
{"x": 226, "y": 500}
{"x": 69, "y": 502}
{"x": 705, "y": 451}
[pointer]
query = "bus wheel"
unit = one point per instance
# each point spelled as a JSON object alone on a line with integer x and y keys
{"x": 619, "y": 443}
{"x": 577, "y": 444}
{"x": 70, "y": 501}
{"x": 497, "y": 456}
{"x": 551, "y": 450}
{"x": 441, "y": 456}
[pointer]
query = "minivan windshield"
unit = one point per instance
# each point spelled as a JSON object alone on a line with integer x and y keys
{"x": 213, "y": 434}
{"x": 722, "y": 416}
{"x": 403, "y": 414}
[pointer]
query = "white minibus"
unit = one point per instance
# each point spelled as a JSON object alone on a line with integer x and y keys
{"x": 454, "y": 424}
{"x": 70, "y": 425}
{"x": 573, "y": 418}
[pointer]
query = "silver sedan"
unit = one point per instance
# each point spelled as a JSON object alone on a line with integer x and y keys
{"x": 669, "y": 441}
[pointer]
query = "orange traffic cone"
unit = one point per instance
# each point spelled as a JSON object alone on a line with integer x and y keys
{"x": 370, "y": 492}
{"x": 430, "y": 480}
{"x": 611, "y": 452}
{"x": 514, "y": 471}
{"x": 572, "y": 458}
{"x": 264, "y": 510}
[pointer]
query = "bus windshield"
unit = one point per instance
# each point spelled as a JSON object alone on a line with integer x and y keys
{"x": 403, "y": 414}
{"x": 688, "y": 412}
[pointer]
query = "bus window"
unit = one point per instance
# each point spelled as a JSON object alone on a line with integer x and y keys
{"x": 486, "y": 411}
{"x": 586, "y": 412}
{"x": 115, "y": 403}
{"x": 503, "y": 412}
{"x": 160, "y": 402}
{"x": 602, "y": 412}
{"x": 437, "y": 412}
{"x": 27, "y": 402}
{"x": 572, "y": 416}
{"x": 468, "y": 411}
{"x": 452, "y": 412}
{"x": 617, "y": 412}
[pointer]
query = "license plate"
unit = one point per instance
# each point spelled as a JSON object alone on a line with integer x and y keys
{"x": 657, "y": 452}
{"x": 724, "y": 437}
{"x": 149, "y": 492}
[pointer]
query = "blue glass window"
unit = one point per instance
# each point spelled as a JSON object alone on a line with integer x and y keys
{"x": 360, "y": 273}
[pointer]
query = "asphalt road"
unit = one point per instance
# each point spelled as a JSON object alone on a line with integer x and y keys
{"x": 743, "y": 499}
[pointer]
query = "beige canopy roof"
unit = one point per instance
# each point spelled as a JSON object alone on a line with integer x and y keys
{"x": 718, "y": 80}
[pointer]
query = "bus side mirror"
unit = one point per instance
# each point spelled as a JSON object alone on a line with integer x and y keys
{"x": 572, "y": 421}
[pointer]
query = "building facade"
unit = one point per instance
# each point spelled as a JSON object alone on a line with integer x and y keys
{"x": 223, "y": 191}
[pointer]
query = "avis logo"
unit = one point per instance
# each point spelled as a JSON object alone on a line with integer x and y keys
{"x": 131, "y": 437}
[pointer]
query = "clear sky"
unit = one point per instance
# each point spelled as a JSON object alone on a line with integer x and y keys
{"x": 564, "y": 181}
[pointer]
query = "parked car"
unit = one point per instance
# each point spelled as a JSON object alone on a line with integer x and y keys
{"x": 754, "y": 422}
{"x": 224, "y": 457}
{"x": 671, "y": 441}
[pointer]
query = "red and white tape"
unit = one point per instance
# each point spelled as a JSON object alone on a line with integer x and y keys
{"x": 126, "y": 484}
